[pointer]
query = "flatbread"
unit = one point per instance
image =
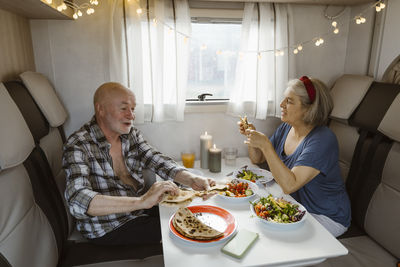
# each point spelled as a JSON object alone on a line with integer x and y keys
{"x": 189, "y": 226}
{"x": 245, "y": 122}
{"x": 213, "y": 190}
{"x": 183, "y": 199}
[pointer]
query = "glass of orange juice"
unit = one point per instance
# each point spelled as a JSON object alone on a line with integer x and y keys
{"x": 188, "y": 158}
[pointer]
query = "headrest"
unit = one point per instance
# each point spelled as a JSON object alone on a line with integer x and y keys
{"x": 390, "y": 124}
{"x": 46, "y": 98}
{"x": 34, "y": 118}
{"x": 373, "y": 107}
{"x": 347, "y": 93}
{"x": 16, "y": 141}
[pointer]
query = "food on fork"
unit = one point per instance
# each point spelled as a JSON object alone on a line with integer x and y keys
{"x": 245, "y": 122}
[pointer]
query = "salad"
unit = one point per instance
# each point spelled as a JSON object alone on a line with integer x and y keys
{"x": 237, "y": 188}
{"x": 277, "y": 210}
{"x": 248, "y": 175}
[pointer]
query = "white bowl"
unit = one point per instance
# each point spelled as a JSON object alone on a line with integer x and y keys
{"x": 278, "y": 225}
{"x": 266, "y": 175}
{"x": 252, "y": 186}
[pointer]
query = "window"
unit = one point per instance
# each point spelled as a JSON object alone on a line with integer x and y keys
{"x": 214, "y": 51}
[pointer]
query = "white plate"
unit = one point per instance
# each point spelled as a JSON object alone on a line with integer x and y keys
{"x": 282, "y": 226}
{"x": 266, "y": 175}
{"x": 252, "y": 186}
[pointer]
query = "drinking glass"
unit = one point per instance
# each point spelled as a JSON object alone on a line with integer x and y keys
{"x": 188, "y": 158}
{"x": 230, "y": 155}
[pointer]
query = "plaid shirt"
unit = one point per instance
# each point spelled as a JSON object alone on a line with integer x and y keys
{"x": 88, "y": 166}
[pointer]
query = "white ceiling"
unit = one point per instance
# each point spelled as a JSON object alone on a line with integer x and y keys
{"x": 35, "y": 9}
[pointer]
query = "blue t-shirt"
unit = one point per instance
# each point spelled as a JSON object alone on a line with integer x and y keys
{"x": 325, "y": 194}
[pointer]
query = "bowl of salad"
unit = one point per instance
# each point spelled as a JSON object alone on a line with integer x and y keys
{"x": 279, "y": 212}
{"x": 253, "y": 174}
{"x": 239, "y": 190}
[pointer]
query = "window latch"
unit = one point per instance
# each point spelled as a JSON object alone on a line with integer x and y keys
{"x": 202, "y": 97}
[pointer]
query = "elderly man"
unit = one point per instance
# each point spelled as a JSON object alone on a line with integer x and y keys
{"x": 104, "y": 163}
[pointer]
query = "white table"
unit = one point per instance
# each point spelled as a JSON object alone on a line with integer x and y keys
{"x": 309, "y": 244}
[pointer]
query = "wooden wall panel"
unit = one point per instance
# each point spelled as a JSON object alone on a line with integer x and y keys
{"x": 16, "y": 50}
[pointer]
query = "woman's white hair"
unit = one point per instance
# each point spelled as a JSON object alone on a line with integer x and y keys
{"x": 317, "y": 112}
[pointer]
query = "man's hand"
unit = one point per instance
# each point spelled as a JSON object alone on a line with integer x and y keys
{"x": 194, "y": 181}
{"x": 156, "y": 192}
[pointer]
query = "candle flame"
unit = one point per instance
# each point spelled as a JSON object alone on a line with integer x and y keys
{"x": 215, "y": 146}
{"x": 205, "y": 133}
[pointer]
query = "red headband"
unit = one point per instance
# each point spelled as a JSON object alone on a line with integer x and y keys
{"x": 309, "y": 87}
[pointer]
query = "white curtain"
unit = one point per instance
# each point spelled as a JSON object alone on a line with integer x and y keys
{"x": 150, "y": 54}
{"x": 261, "y": 76}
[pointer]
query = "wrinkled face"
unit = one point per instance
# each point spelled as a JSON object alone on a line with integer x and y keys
{"x": 119, "y": 113}
{"x": 292, "y": 111}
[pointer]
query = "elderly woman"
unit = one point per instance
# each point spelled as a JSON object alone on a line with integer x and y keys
{"x": 302, "y": 154}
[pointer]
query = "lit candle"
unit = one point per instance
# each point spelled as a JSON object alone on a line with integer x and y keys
{"x": 205, "y": 144}
{"x": 214, "y": 159}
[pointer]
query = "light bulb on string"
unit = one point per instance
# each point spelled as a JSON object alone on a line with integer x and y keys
{"x": 336, "y": 31}
{"x": 295, "y": 51}
{"x": 49, "y": 1}
{"x": 139, "y": 11}
{"x": 334, "y": 24}
{"x": 358, "y": 20}
{"x": 79, "y": 13}
{"x": 75, "y": 16}
{"x": 59, "y": 8}
{"x": 155, "y": 22}
{"x": 363, "y": 20}
{"x": 300, "y": 47}
{"x": 378, "y": 8}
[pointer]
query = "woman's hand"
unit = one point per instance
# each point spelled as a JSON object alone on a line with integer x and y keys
{"x": 244, "y": 126}
{"x": 257, "y": 139}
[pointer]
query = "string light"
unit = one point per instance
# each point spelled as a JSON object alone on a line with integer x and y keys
{"x": 336, "y": 31}
{"x": 334, "y": 24}
{"x": 139, "y": 11}
{"x": 87, "y": 5}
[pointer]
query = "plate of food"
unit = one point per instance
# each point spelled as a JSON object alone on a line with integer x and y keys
{"x": 239, "y": 190}
{"x": 253, "y": 174}
{"x": 279, "y": 212}
{"x": 202, "y": 224}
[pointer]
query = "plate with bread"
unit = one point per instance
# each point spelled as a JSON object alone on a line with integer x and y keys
{"x": 202, "y": 224}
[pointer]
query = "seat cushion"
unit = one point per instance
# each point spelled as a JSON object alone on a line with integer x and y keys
{"x": 363, "y": 252}
{"x": 154, "y": 261}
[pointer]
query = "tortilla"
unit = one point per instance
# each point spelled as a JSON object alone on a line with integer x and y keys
{"x": 245, "y": 122}
{"x": 189, "y": 226}
{"x": 183, "y": 199}
{"x": 213, "y": 190}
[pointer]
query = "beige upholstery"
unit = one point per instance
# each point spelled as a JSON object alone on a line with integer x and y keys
{"x": 23, "y": 226}
{"x": 45, "y": 97}
{"x": 16, "y": 141}
{"x": 155, "y": 261}
{"x": 382, "y": 220}
{"x": 390, "y": 123}
{"x": 363, "y": 252}
{"x": 347, "y": 139}
{"x": 347, "y": 94}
